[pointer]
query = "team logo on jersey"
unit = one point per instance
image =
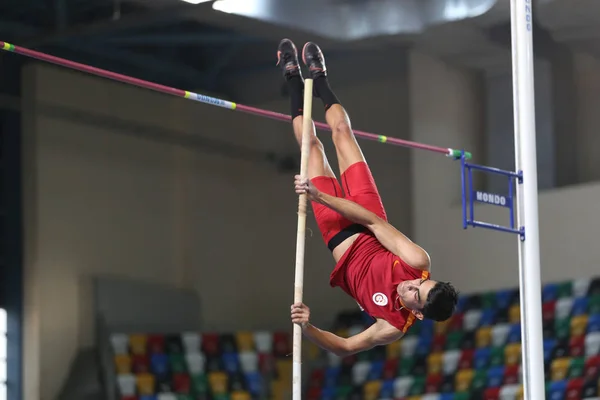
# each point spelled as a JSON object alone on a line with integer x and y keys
{"x": 380, "y": 299}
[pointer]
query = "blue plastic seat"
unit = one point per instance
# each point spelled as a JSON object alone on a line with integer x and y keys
{"x": 514, "y": 334}
{"x": 376, "y": 371}
{"x": 423, "y": 345}
{"x": 481, "y": 358}
{"x": 495, "y": 376}
{"x": 254, "y": 383}
{"x": 549, "y": 292}
{"x": 328, "y": 393}
{"x": 580, "y": 306}
{"x": 488, "y": 317}
{"x": 504, "y": 298}
{"x": 549, "y": 345}
{"x": 147, "y": 397}
{"x": 387, "y": 389}
{"x": 593, "y": 323}
{"x": 230, "y": 362}
{"x": 159, "y": 364}
{"x": 557, "y": 390}
{"x": 331, "y": 377}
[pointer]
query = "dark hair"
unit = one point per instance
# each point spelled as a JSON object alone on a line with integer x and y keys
{"x": 441, "y": 302}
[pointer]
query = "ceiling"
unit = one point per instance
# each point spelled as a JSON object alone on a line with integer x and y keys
{"x": 199, "y": 48}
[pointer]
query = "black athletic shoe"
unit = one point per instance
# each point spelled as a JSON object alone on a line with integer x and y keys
{"x": 314, "y": 60}
{"x": 287, "y": 59}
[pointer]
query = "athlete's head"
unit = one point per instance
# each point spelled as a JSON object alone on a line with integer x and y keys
{"x": 428, "y": 299}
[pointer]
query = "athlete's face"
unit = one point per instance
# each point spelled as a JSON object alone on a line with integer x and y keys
{"x": 413, "y": 294}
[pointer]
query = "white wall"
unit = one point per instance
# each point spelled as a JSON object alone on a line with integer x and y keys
{"x": 103, "y": 197}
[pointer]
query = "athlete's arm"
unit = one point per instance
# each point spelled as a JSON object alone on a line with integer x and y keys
{"x": 378, "y": 334}
{"x": 392, "y": 239}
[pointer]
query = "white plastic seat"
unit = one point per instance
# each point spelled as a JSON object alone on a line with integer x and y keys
{"x": 120, "y": 343}
{"x": 471, "y": 320}
{"x": 192, "y": 342}
{"x": 126, "y": 384}
{"x": 402, "y": 386}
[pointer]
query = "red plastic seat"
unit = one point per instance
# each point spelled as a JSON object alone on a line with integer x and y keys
{"x": 433, "y": 382}
{"x": 266, "y": 363}
{"x": 210, "y": 344}
{"x": 511, "y": 374}
{"x": 317, "y": 377}
{"x": 466, "y": 359}
{"x": 577, "y": 346}
{"x": 592, "y": 367}
{"x": 491, "y": 394}
{"x": 574, "y": 389}
{"x": 140, "y": 364}
{"x": 456, "y": 323}
{"x": 314, "y": 393}
{"x": 181, "y": 383}
{"x": 156, "y": 344}
{"x": 548, "y": 310}
{"x": 438, "y": 343}
{"x": 281, "y": 344}
{"x": 389, "y": 369}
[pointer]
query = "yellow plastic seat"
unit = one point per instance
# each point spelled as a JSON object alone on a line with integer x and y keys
{"x": 483, "y": 337}
{"x": 145, "y": 383}
{"x": 123, "y": 364}
{"x": 137, "y": 344}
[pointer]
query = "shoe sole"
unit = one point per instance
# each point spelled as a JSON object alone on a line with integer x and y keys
{"x": 279, "y": 51}
{"x": 304, "y": 56}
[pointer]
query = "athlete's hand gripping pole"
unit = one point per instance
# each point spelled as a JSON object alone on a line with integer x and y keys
{"x": 300, "y": 239}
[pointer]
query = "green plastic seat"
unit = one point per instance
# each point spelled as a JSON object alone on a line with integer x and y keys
{"x": 565, "y": 289}
{"x": 405, "y": 366}
{"x": 418, "y": 386}
{"x": 343, "y": 392}
{"x": 594, "y": 304}
{"x": 224, "y": 396}
{"x": 496, "y": 356}
{"x": 199, "y": 384}
{"x": 185, "y": 397}
{"x": 562, "y": 328}
{"x": 488, "y": 300}
{"x": 453, "y": 340}
{"x": 577, "y": 367}
{"x": 178, "y": 363}
{"x": 479, "y": 380}
{"x": 461, "y": 396}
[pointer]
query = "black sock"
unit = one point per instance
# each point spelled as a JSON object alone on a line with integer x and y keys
{"x": 322, "y": 90}
{"x": 296, "y": 87}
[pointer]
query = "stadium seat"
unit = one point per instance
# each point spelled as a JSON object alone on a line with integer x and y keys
{"x": 210, "y": 344}
{"x": 500, "y": 334}
{"x": 164, "y": 384}
{"x": 402, "y": 386}
{"x": 511, "y": 375}
{"x": 408, "y": 346}
{"x": 592, "y": 344}
{"x": 483, "y": 337}
{"x": 460, "y": 396}
{"x": 240, "y": 395}
{"x": 495, "y": 376}
{"x": 579, "y": 325}
{"x": 159, "y": 364}
{"x": 548, "y": 310}
{"x": 254, "y": 383}
{"x": 497, "y": 356}
{"x": 230, "y": 362}
{"x": 389, "y": 369}
{"x": 549, "y": 292}
{"x": 592, "y": 367}
{"x": 557, "y": 390}
{"x": 454, "y": 340}
{"x": 181, "y": 383}
{"x": 434, "y": 363}
{"x": 481, "y": 358}
{"x": 127, "y": 384}
{"x": 156, "y": 344}
{"x": 227, "y": 343}
{"x": 456, "y": 322}
{"x": 420, "y": 366}
{"x": 565, "y": 289}
{"x": 594, "y": 304}
{"x": 145, "y": 397}
{"x": 564, "y": 307}
{"x": 549, "y": 345}
{"x": 199, "y": 384}
{"x": 191, "y": 342}
{"x": 418, "y": 386}
{"x": 441, "y": 327}
{"x": 195, "y": 363}
{"x": 376, "y": 371}
{"x": 514, "y": 314}
{"x": 577, "y": 346}
{"x": 514, "y": 334}
{"x": 590, "y": 390}
{"x": 393, "y": 350}
{"x": 450, "y": 360}
{"x": 594, "y": 287}
{"x": 137, "y": 344}
{"x": 177, "y": 363}
{"x": 471, "y": 320}
{"x": 123, "y": 364}
{"x": 145, "y": 383}
{"x": 405, "y": 366}
{"x": 562, "y": 328}
{"x": 371, "y": 390}
{"x": 431, "y": 396}
{"x": 577, "y": 367}
{"x": 509, "y": 392}
{"x": 283, "y": 368}
{"x": 512, "y": 354}
{"x": 574, "y": 389}
{"x": 492, "y": 393}
{"x": 140, "y": 364}
{"x": 580, "y": 306}
{"x": 488, "y": 318}
{"x": 266, "y": 363}
{"x": 166, "y": 396}
{"x": 218, "y": 382}
{"x": 580, "y": 287}
{"x": 479, "y": 381}
{"x": 438, "y": 343}
{"x": 560, "y": 368}
{"x": 423, "y": 346}
{"x": 463, "y": 379}
{"x": 331, "y": 376}
{"x": 119, "y": 343}
{"x": 433, "y": 383}
{"x": 447, "y": 384}
{"x": 593, "y": 324}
